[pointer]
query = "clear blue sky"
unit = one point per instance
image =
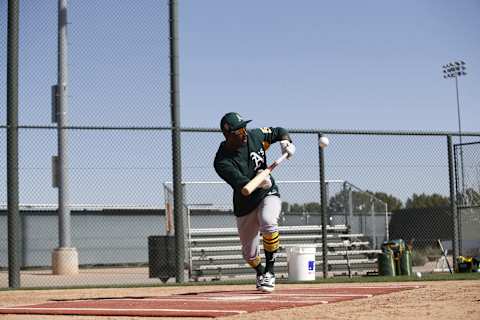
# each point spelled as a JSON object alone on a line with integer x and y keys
{"x": 302, "y": 64}
{"x": 298, "y": 64}
{"x": 330, "y": 64}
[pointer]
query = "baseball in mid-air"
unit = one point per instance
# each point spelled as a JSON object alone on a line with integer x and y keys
{"x": 323, "y": 141}
{"x": 419, "y": 274}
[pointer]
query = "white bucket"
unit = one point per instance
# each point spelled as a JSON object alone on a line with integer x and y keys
{"x": 301, "y": 263}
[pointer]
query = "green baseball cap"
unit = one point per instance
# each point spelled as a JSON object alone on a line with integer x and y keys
{"x": 232, "y": 121}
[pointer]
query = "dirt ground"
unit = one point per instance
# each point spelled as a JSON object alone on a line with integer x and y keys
{"x": 435, "y": 300}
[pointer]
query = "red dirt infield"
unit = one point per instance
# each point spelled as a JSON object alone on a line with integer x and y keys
{"x": 204, "y": 304}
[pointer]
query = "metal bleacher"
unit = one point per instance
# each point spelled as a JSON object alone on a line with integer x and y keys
{"x": 215, "y": 253}
{"x": 213, "y": 247}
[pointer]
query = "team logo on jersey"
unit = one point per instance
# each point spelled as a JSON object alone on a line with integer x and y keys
{"x": 257, "y": 157}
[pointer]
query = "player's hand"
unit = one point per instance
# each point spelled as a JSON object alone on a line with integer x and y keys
{"x": 287, "y": 147}
{"x": 266, "y": 183}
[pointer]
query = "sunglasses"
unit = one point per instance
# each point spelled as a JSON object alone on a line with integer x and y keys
{"x": 240, "y": 132}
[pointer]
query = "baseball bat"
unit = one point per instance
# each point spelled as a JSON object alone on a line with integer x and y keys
{"x": 255, "y": 182}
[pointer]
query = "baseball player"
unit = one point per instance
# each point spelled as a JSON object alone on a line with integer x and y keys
{"x": 239, "y": 158}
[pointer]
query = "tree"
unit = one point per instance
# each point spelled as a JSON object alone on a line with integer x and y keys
{"x": 306, "y": 207}
{"x": 427, "y": 201}
{"x": 296, "y": 208}
{"x": 362, "y": 201}
{"x": 393, "y": 203}
{"x": 312, "y": 207}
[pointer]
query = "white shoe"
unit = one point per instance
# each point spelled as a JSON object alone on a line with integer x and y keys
{"x": 259, "y": 281}
{"x": 268, "y": 282}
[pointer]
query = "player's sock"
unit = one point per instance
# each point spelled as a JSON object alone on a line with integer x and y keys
{"x": 271, "y": 242}
{"x": 270, "y": 257}
{"x": 260, "y": 269}
{"x": 257, "y": 265}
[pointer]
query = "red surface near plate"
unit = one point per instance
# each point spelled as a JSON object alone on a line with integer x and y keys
{"x": 204, "y": 304}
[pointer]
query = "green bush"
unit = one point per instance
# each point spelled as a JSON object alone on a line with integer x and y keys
{"x": 421, "y": 256}
{"x": 418, "y": 258}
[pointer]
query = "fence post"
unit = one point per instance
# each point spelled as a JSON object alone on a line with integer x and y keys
{"x": 373, "y": 223}
{"x": 350, "y": 208}
{"x": 176, "y": 145}
{"x": 453, "y": 202}
{"x": 14, "y": 219}
{"x": 346, "y": 207}
{"x": 323, "y": 206}
{"x": 387, "y": 222}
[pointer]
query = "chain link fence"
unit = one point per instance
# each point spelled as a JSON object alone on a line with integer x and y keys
{"x": 382, "y": 185}
{"x": 467, "y": 178}
{"x": 114, "y": 58}
{"x": 120, "y": 194}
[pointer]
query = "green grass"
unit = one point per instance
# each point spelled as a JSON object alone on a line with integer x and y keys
{"x": 425, "y": 277}
{"x": 342, "y": 279}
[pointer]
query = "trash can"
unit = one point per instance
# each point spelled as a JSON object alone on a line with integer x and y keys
{"x": 406, "y": 263}
{"x": 161, "y": 257}
{"x": 386, "y": 263}
{"x": 396, "y": 255}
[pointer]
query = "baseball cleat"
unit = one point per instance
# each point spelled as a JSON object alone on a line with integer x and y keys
{"x": 268, "y": 282}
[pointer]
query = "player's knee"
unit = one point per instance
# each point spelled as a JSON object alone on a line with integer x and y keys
{"x": 271, "y": 241}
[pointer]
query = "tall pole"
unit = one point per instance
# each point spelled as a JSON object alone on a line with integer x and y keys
{"x": 454, "y": 70}
{"x": 176, "y": 146}
{"x": 457, "y": 69}
{"x": 62, "y": 138}
{"x": 64, "y": 258}
{"x": 453, "y": 204}
{"x": 323, "y": 206}
{"x": 14, "y": 220}
{"x": 458, "y": 112}
{"x": 462, "y": 198}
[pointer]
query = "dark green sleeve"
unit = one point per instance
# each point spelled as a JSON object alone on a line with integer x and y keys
{"x": 274, "y": 134}
{"x": 231, "y": 174}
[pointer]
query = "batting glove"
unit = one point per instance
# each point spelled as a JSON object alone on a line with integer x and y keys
{"x": 287, "y": 147}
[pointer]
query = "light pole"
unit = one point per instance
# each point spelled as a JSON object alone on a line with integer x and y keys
{"x": 65, "y": 257}
{"x": 454, "y": 70}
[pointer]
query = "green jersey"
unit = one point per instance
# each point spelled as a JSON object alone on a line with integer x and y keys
{"x": 238, "y": 167}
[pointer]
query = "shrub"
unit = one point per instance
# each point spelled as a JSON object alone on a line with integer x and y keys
{"x": 418, "y": 258}
{"x": 421, "y": 256}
